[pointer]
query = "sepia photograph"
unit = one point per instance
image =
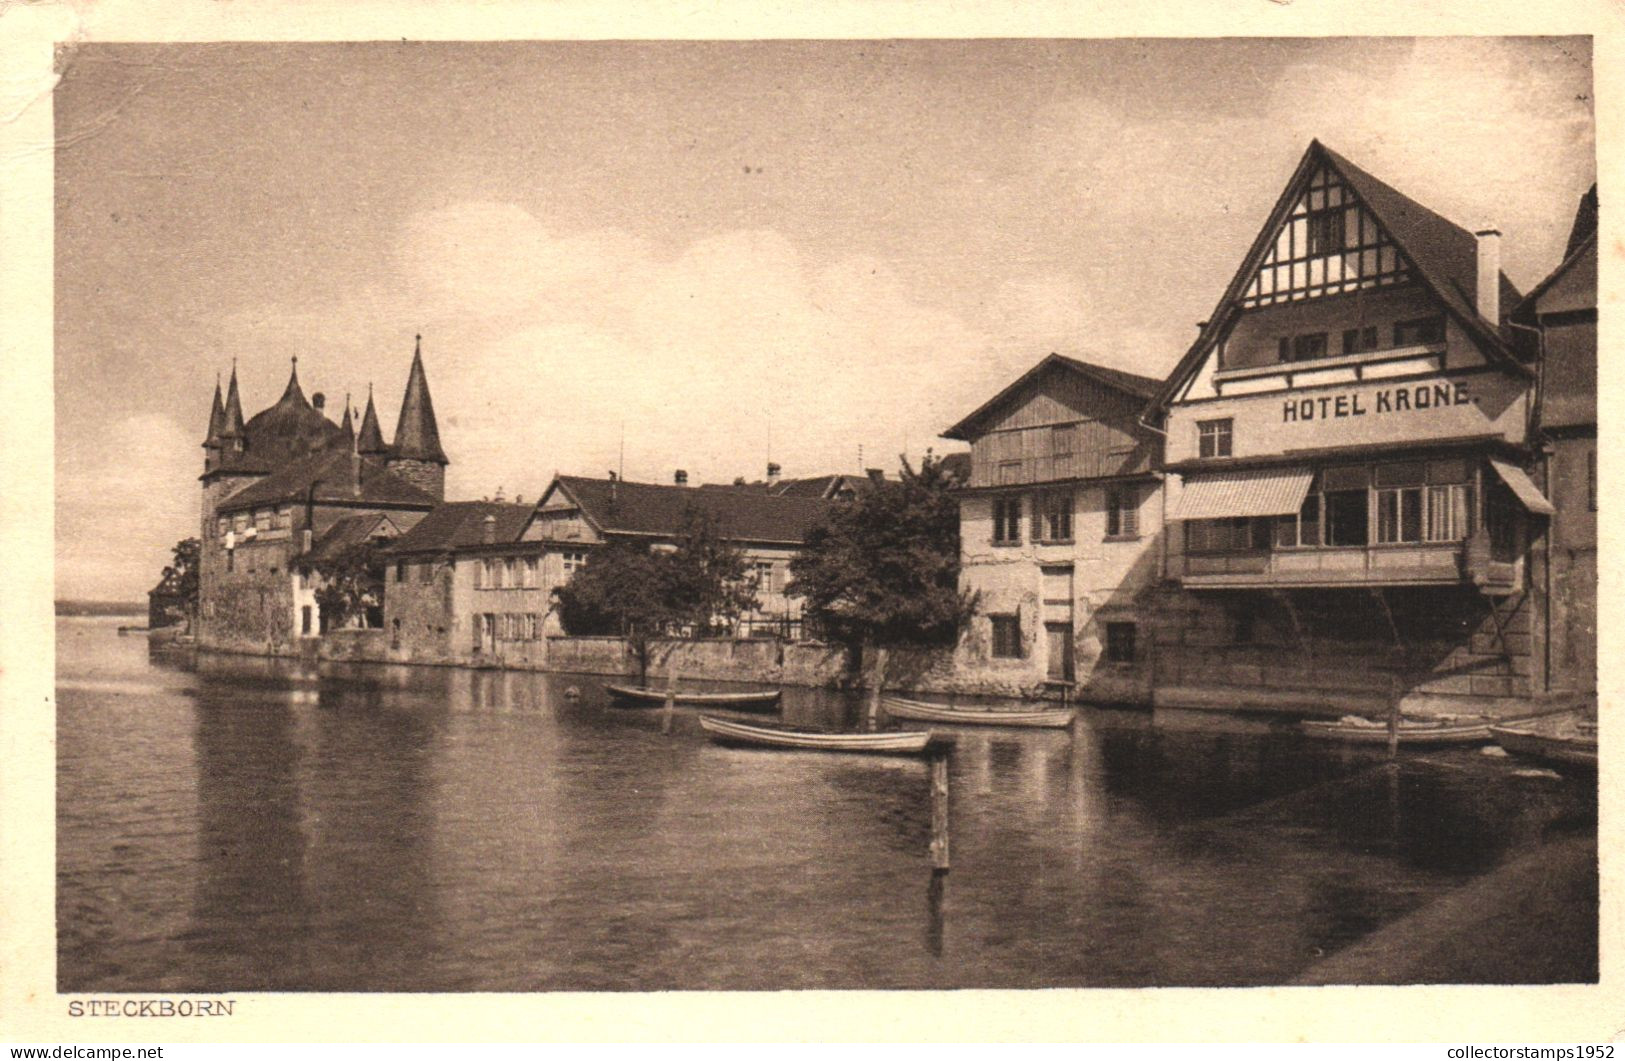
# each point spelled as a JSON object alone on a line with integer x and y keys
{"x": 863, "y": 515}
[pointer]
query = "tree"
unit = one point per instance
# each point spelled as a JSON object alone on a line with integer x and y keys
{"x": 352, "y": 582}
{"x": 883, "y": 568}
{"x": 180, "y": 579}
{"x": 633, "y": 591}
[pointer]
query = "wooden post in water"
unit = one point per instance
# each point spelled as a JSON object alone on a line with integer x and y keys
{"x": 671, "y": 689}
{"x": 877, "y": 682}
{"x": 939, "y": 810}
{"x": 1394, "y": 696}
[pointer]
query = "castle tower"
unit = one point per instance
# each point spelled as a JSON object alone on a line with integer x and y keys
{"x": 217, "y": 421}
{"x": 416, "y": 455}
{"x": 232, "y": 434}
{"x": 347, "y": 425}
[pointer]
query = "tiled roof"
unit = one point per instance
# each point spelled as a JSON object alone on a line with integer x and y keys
{"x": 351, "y": 530}
{"x": 1133, "y": 383}
{"x": 1585, "y": 222}
{"x": 331, "y": 473}
{"x": 616, "y": 507}
{"x": 462, "y": 523}
{"x": 957, "y": 465}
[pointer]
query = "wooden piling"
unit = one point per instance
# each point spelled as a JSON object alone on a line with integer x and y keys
{"x": 876, "y": 683}
{"x": 939, "y": 810}
{"x": 671, "y": 690}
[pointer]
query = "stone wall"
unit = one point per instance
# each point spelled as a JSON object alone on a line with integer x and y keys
{"x": 418, "y": 618}
{"x": 1335, "y": 650}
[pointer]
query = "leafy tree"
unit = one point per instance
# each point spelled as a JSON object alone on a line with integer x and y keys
{"x": 633, "y": 591}
{"x": 883, "y": 568}
{"x": 352, "y": 582}
{"x": 180, "y": 577}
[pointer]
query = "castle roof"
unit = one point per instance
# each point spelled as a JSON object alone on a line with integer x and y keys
{"x": 291, "y": 429}
{"x": 371, "y": 439}
{"x": 457, "y": 524}
{"x": 232, "y": 426}
{"x": 328, "y": 478}
{"x": 217, "y": 417}
{"x": 417, "y": 436}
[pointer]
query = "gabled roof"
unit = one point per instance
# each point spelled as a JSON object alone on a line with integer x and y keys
{"x": 1140, "y": 388}
{"x": 331, "y": 474}
{"x": 1444, "y": 254}
{"x": 1582, "y": 240}
{"x": 652, "y": 510}
{"x": 347, "y": 532}
{"x": 417, "y": 436}
{"x": 457, "y": 524}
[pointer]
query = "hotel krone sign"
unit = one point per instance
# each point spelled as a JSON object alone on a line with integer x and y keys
{"x": 1373, "y": 411}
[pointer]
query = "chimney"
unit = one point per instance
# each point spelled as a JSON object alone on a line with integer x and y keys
{"x": 1489, "y": 274}
{"x": 488, "y": 532}
{"x": 875, "y": 475}
{"x": 680, "y": 477}
{"x": 318, "y": 400}
{"x": 612, "y": 476}
{"x": 772, "y": 473}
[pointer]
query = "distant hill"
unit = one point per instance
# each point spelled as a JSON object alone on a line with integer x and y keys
{"x": 99, "y": 607}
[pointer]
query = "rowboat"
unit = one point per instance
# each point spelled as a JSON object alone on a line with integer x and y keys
{"x": 726, "y": 731}
{"x": 1565, "y": 739}
{"x": 1353, "y": 729}
{"x": 646, "y": 697}
{"x": 1053, "y": 718}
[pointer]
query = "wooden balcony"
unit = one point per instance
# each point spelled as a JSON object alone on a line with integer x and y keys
{"x": 1411, "y": 564}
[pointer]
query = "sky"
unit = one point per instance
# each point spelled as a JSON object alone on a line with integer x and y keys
{"x": 705, "y": 256}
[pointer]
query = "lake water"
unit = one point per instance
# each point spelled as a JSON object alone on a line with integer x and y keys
{"x": 232, "y": 824}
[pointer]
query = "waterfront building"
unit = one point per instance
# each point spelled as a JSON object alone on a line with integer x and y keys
{"x": 289, "y": 486}
{"x": 1060, "y": 532}
{"x": 1349, "y": 442}
{"x": 577, "y": 514}
{"x": 1559, "y": 319}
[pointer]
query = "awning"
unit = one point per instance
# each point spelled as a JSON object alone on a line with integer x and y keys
{"x": 1265, "y": 492}
{"x": 1516, "y": 478}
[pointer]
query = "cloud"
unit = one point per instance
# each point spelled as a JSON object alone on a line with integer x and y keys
{"x": 123, "y": 499}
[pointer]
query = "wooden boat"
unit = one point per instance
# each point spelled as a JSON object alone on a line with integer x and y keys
{"x": 1566, "y": 740}
{"x": 646, "y": 697}
{"x": 918, "y": 710}
{"x": 1354, "y": 729}
{"x": 726, "y": 731}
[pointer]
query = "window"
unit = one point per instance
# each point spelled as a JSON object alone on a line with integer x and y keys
{"x": 1057, "y": 507}
{"x": 763, "y": 573}
{"x": 1419, "y": 332}
{"x": 1359, "y": 340}
{"x": 284, "y": 518}
{"x": 1302, "y": 347}
{"x": 231, "y": 560}
{"x": 1006, "y": 520}
{"x": 493, "y": 574}
{"x": 221, "y": 526}
{"x": 1347, "y": 502}
{"x": 1006, "y": 636}
{"x": 510, "y": 574}
{"x": 1123, "y": 512}
{"x": 1301, "y": 529}
{"x": 1213, "y": 437}
{"x": 1120, "y": 642}
{"x": 530, "y": 572}
{"x": 533, "y": 626}
{"x": 1326, "y": 233}
{"x": 1240, "y": 534}
{"x": 1399, "y": 502}
{"x": 479, "y": 576}
{"x": 262, "y": 519}
{"x": 1009, "y": 472}
{"x": 574, "y": 560}
{"x": 400, "y": 571}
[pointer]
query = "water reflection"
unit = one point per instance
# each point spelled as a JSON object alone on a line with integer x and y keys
{"x": 346, "y": 827}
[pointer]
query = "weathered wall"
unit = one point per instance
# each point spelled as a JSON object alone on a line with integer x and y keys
{"x": 1334, "y": 650}
{"x": 1110, "y": 578}
{"x": 418, "y": 619}
{"x": 1572, "y": 545}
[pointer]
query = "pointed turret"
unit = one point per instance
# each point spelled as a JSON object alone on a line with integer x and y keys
{"x": 370, "y": 443}
{"x": 417, "y": 437}
{"x": 217, "y": 418}
{"x": 293, "y": 395}
{"x": 231, "y": 429}
{"x": 347, "y": 425}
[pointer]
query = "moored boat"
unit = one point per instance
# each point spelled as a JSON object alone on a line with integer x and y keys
{"x": 726, "y": 731}
{"x": 1566, "y": 739}
{"x": 1355, "y": 729}
{"x": 646, "y": 697}
{"x": 921, "y": 711}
